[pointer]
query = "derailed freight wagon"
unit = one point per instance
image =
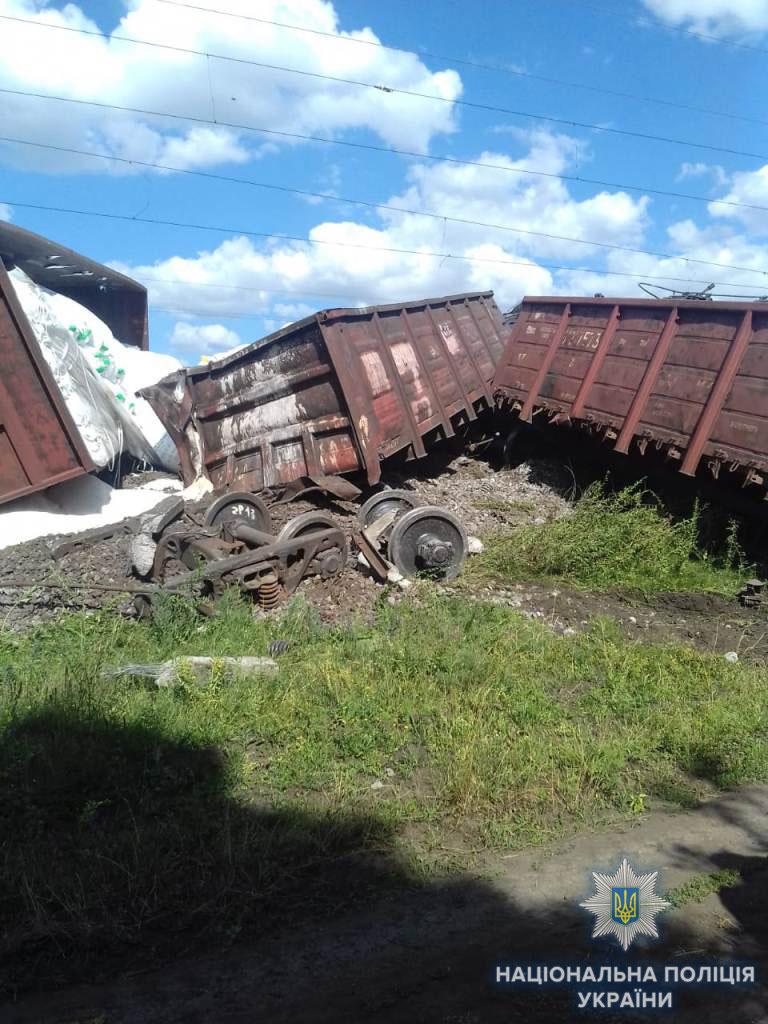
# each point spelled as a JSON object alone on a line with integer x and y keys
{"x": 40, "y": 444}
{"x": 334, "y": 394}
{"x": 687, "y": 377}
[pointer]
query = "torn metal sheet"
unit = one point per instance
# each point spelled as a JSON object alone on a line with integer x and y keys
{"x": 334, "y": 393}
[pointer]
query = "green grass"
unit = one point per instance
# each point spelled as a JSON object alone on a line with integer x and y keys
{"x": 620, "y": 540}
{"x": 701, "y": 886}
{"x": 131, "y": 818}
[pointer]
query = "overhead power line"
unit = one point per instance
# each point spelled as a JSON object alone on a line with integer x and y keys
{"x": 463, "y": 62}
{"x": 255, "y": 288}
{"x": 216, "y": 314}
{"x": 575, "y": 178}
{"x": 368, "y": 204}
{"x": 431, "y": 97}
{"x": 361, "y": 245}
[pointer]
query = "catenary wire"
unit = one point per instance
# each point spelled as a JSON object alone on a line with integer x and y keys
{"x": 462, "y": 61}
{"x": 216, "y": 314}
{"x": 368, "y": 204}
{"x": 360, "y": 245}
{"x": 656, "y": 22}
{"x": 255, "y": 288}
{"x": 431, "y": 97}
{"x": 575, "y": 178}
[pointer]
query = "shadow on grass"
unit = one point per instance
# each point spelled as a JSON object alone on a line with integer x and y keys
{"x": 118, "y": 842}
{"x": 121, "y": 851}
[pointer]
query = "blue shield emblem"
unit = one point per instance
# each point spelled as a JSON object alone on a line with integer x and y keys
{"x": 625, "y": 904}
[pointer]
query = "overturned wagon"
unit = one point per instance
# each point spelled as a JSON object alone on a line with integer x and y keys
{"x": 688, "y": 377}
{"x": 40, "y": 444}
{"x": 334, "y": 393}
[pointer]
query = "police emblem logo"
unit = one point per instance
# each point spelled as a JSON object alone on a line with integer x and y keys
{"x": 625, "y": 905}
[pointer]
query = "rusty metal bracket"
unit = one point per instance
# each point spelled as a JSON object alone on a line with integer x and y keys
{"x": 378, "y": 564}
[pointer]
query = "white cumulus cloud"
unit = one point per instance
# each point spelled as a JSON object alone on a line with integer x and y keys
{"x": 751, "y": 189}
{"x": 745, "y": 270}
{"x": 203, "y": 339}
{"x": 716, "y": 17}
{"x": 394, "y": 259}
{"x": 5, "y": 212}
{"x": 102, "y": 68}
{"x": 699, "y": 169}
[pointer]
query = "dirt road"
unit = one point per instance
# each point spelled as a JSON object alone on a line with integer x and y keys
{"x": 428, "y": 954}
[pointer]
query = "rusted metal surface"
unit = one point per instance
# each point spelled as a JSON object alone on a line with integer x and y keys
{"x": 116, "y": 299}
{"x": 229, "y": 551}
{"x": 378, "y": 565}
{"x": 752, "y": 594}
{"x": 39, "y": 442}
{"x": 335, "y": 393}
{"x": 690, "y": 377}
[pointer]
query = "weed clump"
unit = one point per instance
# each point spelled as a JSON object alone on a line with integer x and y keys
{"x": 619, "y": 540}
{"x": 701, "y": 886}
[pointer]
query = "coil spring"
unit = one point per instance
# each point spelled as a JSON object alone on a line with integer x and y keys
{"x": 278, "y": 647}
{"x": 269, "y": 592}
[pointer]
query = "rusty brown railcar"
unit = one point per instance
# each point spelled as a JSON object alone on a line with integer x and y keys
{"x": 116, "y": 299}
{"x": 334, "y": 393}
{"x": 39, "y": 442}
{"x": 688, "y": 377}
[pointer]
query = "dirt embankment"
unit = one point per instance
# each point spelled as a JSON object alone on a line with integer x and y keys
{"x": 487, "y": 500}
{"x": 709, "y": 622}
{"x": 483, "y": 499}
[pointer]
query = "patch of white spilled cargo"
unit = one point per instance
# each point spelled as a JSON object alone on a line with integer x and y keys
{"x": 83, "y": 504}
{"x": 98, "y": 377}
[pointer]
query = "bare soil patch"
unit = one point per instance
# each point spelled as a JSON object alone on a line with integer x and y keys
{"x": 487, "y": 500}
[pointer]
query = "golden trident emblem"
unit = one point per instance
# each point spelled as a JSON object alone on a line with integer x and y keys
{"x": 625, "y": 905}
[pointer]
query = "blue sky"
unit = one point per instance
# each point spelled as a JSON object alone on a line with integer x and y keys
{"x": 209, "y": 290}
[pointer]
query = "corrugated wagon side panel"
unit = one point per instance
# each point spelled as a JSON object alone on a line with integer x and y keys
{"x": 526, "y": 351}
{"x": 335, "y": 393}
{"x": 625, "y": 365}
{"x": 411, "y": 373}
{"x": 690, "y": 376}
{"x": 696, "y": 354}
{"x": 39, "y": 443}
{"x": 364, "y": 363}
{"x": 740, "y": 432}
